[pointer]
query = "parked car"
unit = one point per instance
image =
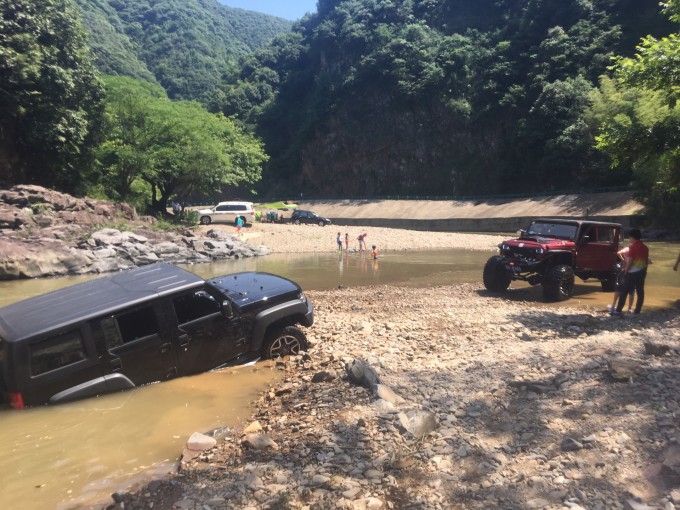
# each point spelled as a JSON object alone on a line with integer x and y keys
{"x": 227, "y": 212}
{"x": 145, "y": 325}
{"x": 552, "y": 251}
{"x": 302, "y": 216}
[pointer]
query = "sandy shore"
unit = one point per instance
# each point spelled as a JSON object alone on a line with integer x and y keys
{"x": 286, "y": 238}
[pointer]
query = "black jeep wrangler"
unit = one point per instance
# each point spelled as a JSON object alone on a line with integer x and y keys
{"x": 141, "y": 326}
{"x": 552, "y": 251}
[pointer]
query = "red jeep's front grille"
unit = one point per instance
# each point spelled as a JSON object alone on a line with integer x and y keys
{"x": 526, "y": 253}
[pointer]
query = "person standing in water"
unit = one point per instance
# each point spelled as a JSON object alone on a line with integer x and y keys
{"x": 362, "y": 241}
{"x": 635, "y": 271}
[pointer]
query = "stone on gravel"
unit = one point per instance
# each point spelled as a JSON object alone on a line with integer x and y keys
{"x": 417, "y": 423}
{"x": 259, "y": 442}
{"x": 362, "y": 373}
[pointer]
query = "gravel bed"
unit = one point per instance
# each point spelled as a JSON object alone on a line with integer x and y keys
{"x": 482, "y": 402}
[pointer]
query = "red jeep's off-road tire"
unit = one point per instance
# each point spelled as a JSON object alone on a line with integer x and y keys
{"x": 609, "y": 285}
{"x": 284, "y": 342}
{"x": 496, "y": 277}
{"x": 558, "y": 283}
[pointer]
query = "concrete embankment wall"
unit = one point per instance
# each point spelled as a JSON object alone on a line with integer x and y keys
{"x": 467, "y": 224}
{"x": 490, "y": 215}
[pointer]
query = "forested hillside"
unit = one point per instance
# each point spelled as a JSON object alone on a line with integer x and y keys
{"x": 438, "y": 97}
{"x": 186, "y": 46}
{"x": 365, "y": 97}
{"x": 68, "y": 126}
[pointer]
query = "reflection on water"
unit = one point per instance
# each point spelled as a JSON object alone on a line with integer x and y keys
{"x": 79, "y": 453}
{"x": 59, "y": 456}
{"x": 320, "y": 271}
{"x": 441, "y": 267}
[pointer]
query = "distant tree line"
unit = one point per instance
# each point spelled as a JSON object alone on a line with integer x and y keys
{"x": 67, "y": 126}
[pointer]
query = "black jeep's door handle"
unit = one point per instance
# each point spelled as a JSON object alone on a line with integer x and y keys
{"x": 183, "y": 340}
{"x": 165, "y": 347}
{"x": 116, "y": 364}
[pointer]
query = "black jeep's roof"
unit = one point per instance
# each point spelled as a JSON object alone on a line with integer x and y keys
{"x": 90, "y": 299}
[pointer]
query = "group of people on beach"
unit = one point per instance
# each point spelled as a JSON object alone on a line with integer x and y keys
{"x": 362, "y": 244}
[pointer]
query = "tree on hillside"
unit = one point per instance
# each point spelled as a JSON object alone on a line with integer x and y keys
{"x": 639, "y": 120}
{"x": 176, "y": 147}
{"x": 49, "y": 94}
{"x": 438, "y": 97}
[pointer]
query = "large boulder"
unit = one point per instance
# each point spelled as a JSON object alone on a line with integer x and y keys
{"x": 47, "y": 233}
{"x": 13, "y": 217}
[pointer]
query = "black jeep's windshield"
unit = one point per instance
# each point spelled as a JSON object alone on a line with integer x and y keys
{"x": 556, "y": 230}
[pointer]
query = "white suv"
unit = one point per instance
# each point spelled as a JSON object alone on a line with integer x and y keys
{"x": 227, "y": 212}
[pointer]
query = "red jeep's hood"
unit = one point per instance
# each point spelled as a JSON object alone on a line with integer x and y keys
{"x": 540, "y": 242}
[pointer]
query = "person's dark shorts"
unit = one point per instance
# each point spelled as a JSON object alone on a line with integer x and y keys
{"x": 620, "y": 282}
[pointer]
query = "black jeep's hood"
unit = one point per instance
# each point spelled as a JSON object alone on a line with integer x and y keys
{"x": 251, "y": 287}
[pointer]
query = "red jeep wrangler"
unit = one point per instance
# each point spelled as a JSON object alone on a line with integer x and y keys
{"x": 552, "y": 251}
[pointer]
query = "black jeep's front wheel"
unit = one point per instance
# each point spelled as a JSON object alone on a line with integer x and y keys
{"x": 558, "y": 284}
{"x": 496, "y": 277}
{"x": 286, "y": 341}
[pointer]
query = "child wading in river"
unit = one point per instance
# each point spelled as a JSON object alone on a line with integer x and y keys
{"x": 362, "y": 241}
{"x": 374, "y": 252}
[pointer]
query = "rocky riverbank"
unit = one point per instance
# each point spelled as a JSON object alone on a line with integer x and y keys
{"x": 483, "y": 402}
{"x": 468, "y": 400}
{"x": 46, "y": 233}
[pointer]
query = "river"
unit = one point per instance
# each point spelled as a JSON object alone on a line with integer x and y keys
{"x": 75, "y": 455}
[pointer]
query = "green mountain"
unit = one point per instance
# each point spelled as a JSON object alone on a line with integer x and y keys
{"x": 437, "y": 97}
{"x": 186, "y": 46}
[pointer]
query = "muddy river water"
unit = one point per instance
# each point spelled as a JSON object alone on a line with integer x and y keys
{"x": 75, "y": 455}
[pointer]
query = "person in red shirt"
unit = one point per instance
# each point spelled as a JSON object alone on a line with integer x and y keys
{"x": 635, "y": 271}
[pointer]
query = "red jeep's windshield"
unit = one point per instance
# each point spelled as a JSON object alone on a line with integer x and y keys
{"x": 556, "y": 230}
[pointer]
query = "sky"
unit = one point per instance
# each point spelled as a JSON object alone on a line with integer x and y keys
{"x": 288, "y": 9}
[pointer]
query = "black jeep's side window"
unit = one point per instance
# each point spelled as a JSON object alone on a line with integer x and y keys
{"x": 57, "y": 351}
{"x": 190, "y": 307}
{"x": 137, "y": 324}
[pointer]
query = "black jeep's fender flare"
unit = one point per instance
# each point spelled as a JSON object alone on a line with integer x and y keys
{"x": 105, "y": 384}
{"x": 289, "y": 313}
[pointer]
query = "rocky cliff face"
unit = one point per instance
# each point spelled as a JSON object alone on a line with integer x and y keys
{"x": 380, "y": 152}
{"x": 47, "y": 233}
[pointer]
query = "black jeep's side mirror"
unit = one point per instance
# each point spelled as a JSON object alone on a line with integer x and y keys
{"x": 522, "y": 232}
{"x": 227, "y": 311}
